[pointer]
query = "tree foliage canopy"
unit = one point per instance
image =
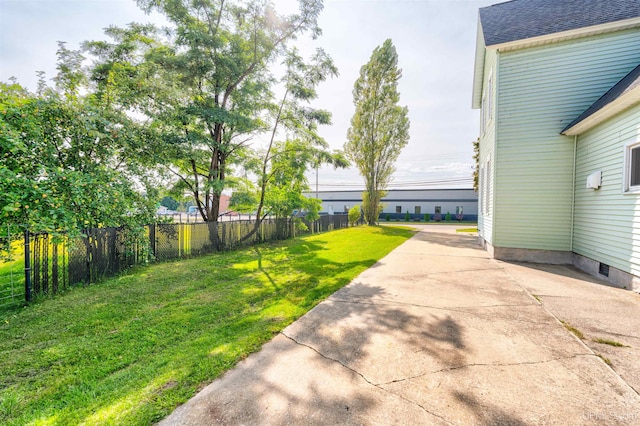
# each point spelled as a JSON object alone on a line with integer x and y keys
{"x": 379, "y": 128}
{"x": 185, "y": 102}
{"x": 205, "y": 84}
{"x": 67, "y": 160}
{"x": 281, "y": 167}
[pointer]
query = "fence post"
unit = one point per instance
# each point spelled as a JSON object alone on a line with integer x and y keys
{"x": 152, "y": 239}
{"x": 27, "y": 267}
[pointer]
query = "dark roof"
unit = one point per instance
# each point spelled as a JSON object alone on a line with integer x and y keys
{"x": 522, "y": 19}
{"x": 628, "y": 83}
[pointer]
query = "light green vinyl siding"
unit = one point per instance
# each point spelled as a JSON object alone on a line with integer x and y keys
{"x": 487, "y": 155}
{"x": 607, "y": 222}
{"x": 540, "y": 91}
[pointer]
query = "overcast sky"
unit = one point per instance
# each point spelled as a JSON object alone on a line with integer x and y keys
{"x": 435, "y": 40}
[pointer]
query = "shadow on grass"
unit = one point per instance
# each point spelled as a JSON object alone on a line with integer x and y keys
{"x": 132, "y": 348}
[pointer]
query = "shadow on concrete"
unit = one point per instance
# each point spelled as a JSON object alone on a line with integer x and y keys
{"x": 450, "y": 240}
{"x": 568, "y": 271}
{"x": 349, "y": 330}
{"x": 487, "y": 414}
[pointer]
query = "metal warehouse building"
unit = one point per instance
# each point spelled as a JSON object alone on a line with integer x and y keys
{"x": 417, "y": 202}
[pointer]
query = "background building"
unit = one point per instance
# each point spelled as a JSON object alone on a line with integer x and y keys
{"x": 417, "y": 202}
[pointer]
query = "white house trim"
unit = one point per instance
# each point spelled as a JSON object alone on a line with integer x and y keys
{"x": 568, "y": 35}
{"x": 478, "y": 71}
{"x": 626, "y": 175}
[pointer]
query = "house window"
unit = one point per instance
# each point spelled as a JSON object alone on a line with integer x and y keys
{"x": 458, "y": 210}
{"x": 486, "y": 111}
{"x": 398, "y": 209}
{"x": 485, "y": 195}
{"x": 438, "y": 210}
{"x": 418, "y": 210}
{"x": 632, "y": 167}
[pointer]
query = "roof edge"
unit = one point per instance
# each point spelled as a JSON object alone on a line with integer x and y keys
{"x": 567, "y": 35}
{"x": 478, "y": 68}
{"x": 615, "y": 107}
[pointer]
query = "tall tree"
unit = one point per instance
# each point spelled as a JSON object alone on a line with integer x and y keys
{"x": 281, "y": 167}
{"x": 379, "y": 128}
{"x": 204, "y": 84}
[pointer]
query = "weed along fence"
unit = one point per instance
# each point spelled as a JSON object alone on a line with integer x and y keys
{"x": 40, "y": 265}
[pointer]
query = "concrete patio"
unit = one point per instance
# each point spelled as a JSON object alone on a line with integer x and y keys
{"x": 439, "y": 333}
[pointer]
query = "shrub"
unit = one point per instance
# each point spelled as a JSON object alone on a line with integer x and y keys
{"x": 407, "y": 217}
{"x": 354, "y": 215}
{"x": 447, "y": 217}
{"x": 426, "y": 217}
{"x": 387, "y": 217}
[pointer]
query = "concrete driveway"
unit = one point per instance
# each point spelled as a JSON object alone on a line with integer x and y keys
{"x": 438, "y": 333}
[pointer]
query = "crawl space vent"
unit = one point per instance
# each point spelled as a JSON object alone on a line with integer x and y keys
{"x": 603, "y": 269}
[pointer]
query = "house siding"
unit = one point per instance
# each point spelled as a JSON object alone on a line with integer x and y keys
{"x": 541, "y": 90}
{"x": 487, "y": 155}
{"x": 606, "y": 221}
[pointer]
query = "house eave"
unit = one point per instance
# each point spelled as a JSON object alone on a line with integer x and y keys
{"x": 478, "y": 70}
{"x": 567, "y": 35}
{"x": 625, "y": 101}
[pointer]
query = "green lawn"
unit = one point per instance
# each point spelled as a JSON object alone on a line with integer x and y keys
{"x": 467, "y": 229}
{"x": 130, "y": 349}
{"x": 12, "y": 276}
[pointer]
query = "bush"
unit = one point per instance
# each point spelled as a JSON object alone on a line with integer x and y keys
{"x": 447, "y": 217}
{"x": 354, "y": 215}
{"x": 387, "y": 217}
{"x": 426, "y": 217}
{"x": 407, "y": 217}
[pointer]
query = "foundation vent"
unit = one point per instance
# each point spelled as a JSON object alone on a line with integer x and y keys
{"x": 603, "y": 269}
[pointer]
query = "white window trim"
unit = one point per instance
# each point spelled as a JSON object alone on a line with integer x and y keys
{"x": 490, "y": 97}
{"x": 486, "y": 107}
{"x": 487, "y": 183}
{"x": 481, "y": 190}
{"x": 626, "y": 176}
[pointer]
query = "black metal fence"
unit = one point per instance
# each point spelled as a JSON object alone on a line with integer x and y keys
{"x": 43, "y": 265}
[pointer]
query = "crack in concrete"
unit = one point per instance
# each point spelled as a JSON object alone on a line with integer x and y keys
{"x": 549, "y": 312}
{"x": 498, "y": 364}
{"x": 465, "y": 309}
{"x": 418, "y": 277}
{"x": 362, "y": 376}
{"x": 457, "y": 256}
{"x": 461, "y": 271}
{"x": 476, "y": 311}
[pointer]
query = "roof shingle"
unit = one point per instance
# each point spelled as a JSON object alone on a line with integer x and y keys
{"x": 522, "y": 19}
